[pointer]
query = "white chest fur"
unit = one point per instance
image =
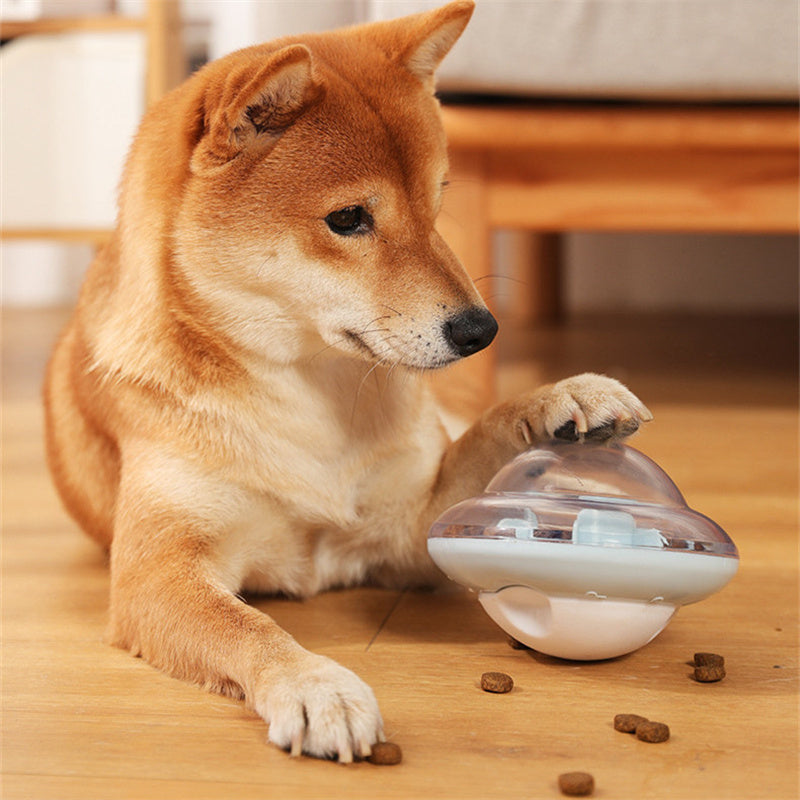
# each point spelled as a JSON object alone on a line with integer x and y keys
{"x": 337, "y": 485}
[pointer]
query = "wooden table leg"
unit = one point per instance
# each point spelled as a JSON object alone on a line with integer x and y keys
{"x": 528, "y": 288}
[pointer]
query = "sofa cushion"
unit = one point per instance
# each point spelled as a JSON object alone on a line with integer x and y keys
{"x": 621, "y": 49}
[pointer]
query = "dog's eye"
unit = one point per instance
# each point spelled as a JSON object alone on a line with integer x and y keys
{"x": 349, "y": 221}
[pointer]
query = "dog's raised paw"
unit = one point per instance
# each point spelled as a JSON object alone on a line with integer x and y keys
{"x": 591, "y": 407}
{"x": 586, "y": 407}
{"x": 321, "y": 709}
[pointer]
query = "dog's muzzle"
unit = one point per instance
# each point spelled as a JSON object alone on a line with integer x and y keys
{"x": 470, "y": 331}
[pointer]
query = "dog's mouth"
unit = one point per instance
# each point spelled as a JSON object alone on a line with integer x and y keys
{"x": 359, "y": 342}
{"x": 458, "y": 336}
{"x": 416, "y": 358}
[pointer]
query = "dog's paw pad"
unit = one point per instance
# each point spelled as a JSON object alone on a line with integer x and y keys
{"x": 568, "y": 432}
{"x": 626, "y": 427}
{"x": 602, "y": 432}
{"x": 619, "y": 428}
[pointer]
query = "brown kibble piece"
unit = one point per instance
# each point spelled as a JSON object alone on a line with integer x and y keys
{"x": 516, "y": 644}
{"x": 709, "y": 674}
{"x": 652, "y": 732}
{"x": 626, "y": 723}
{"x": 576, "y": 784}
{"x": 708, "y": 660}
{"x": 497, "y": 682}
{"x": 385, "y": 754}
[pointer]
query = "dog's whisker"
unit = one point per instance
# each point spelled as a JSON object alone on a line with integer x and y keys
{"x": 324, "y": 350}
{"x": 345, "y": 338}
{"x": 393, "y": 310}
{"x": 361, "y": 383}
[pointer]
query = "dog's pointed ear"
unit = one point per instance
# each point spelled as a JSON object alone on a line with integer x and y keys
{"x": 254, "y": 104}
{"x": 430, "y": 37}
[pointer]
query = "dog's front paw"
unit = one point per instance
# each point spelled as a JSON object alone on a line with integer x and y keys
{"x": 319, "y": 708}
{"x": 584, "y": 407}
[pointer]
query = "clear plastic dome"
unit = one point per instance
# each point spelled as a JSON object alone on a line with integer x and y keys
{"x": 588, "y": 494}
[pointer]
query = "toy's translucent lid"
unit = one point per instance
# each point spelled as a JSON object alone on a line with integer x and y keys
{"x": 586, "y": 494}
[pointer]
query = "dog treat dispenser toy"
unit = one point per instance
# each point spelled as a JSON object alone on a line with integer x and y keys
{"x": 582, "y": 551}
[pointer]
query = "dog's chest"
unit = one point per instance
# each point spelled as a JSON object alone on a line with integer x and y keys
{"x": 333, "y": 528}
{"x": 333, "y": 497}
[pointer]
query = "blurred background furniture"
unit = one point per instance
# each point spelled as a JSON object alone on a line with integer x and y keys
{"x": 77, "y": 76}
{"x": 549, "y": 169}
{"x": 85, "y": 39}
{"x": 158, "y": 20}
{"x": 668, "y": 168}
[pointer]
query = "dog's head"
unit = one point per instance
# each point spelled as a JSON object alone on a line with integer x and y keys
{"x": 306, "y": 222}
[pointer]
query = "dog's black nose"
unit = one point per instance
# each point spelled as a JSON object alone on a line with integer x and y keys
{"x": 470, "y": 331}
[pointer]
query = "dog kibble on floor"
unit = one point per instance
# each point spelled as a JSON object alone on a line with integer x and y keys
{"x": 626, "y": 723}
{"x": 576, "y": 784}
{"x": 709, "y": 667}
{"x": 385, "y": 754}
{"x": 496, "y": 682}
{"x": 652, "y": 732}
{"x": 709, "y": 674}
{"x": 709, "y": 660}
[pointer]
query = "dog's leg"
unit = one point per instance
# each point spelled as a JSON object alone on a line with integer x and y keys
{"x": 586, "y": 406}
{"x": 171, "y": 603}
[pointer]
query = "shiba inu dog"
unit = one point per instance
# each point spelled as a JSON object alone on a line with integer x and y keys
{"x": 239, "y": 400}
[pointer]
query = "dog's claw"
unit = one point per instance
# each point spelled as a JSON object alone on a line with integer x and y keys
{"x": 364, "y": 749}
{"x": 581, "y": 423}
{"x": 345, "y": 753}
{"x": 297, "y": 745}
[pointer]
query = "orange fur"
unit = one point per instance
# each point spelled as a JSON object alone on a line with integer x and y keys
{"x": 238, "y": 401}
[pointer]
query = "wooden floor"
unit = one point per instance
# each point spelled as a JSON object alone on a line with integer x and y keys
{"x": 83, "y": 720}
